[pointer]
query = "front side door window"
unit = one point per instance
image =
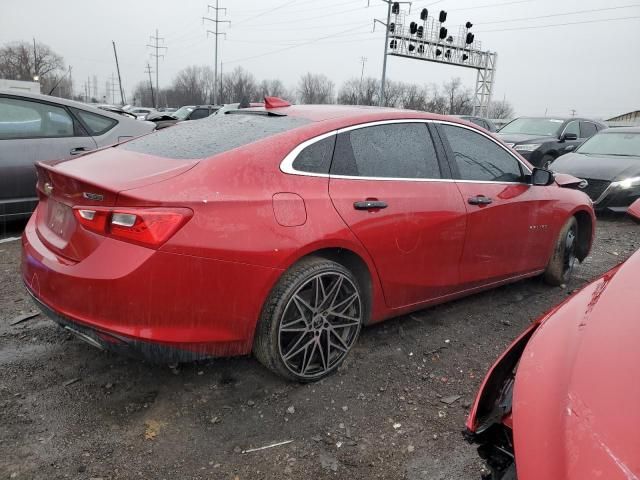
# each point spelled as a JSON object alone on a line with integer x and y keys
{"x": 507, "y": 219}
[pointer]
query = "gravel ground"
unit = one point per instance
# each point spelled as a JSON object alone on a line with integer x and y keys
{"x": 68, "y": 410}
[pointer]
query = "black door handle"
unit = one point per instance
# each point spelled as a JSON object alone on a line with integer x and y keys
{"x": 479, "y": 200}
{"x": 78, "y": 150}
{"x": 369, "y": 205}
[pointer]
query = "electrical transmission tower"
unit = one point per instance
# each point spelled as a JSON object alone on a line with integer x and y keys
{"x": 157, "y": 47}
{"x": 149, "y": 71}
{"x": 216, "y": 32}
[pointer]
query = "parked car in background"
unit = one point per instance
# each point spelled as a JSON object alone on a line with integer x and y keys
{"x": 541, "y": 139}
{"x": 183, "y": 114}
{"x": 481, "y": 122}
{"x": 140, "y": 112}
{"x": 36, "y": 127}
{"x": 116, "y": 109}
{"x": 283, "y": 230}
{"x": 562, "y": 401}
{"x": 610, "y": 163}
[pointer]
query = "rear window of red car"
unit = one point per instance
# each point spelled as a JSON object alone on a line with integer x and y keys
{"x": 213, "y": 135}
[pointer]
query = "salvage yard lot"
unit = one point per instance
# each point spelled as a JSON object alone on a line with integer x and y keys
{"x": 394, "y": 410}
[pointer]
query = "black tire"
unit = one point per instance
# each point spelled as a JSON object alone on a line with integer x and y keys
{"x": 563, "y": 260}
{"x": 546, "y": 161}
{"x": 331, "y": 308}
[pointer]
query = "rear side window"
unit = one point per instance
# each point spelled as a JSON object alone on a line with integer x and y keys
{"x": 199, "y": 113}
{"x": 400, "y": 150}
{"x": 316, "y": 158}
{"x": 27, "y": 119}
{"x": 212, "y": 135}
{"x": 587, "y": 129}
{"x": 479, "y": 158}
{"x": 97, "y": 124}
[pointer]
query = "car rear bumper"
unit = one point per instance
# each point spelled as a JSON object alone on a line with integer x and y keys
{"x": 159, "y": 304}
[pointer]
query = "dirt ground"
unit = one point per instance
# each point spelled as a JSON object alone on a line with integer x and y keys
{"x": 68, "y": 410}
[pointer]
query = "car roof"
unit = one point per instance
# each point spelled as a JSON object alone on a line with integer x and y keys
{"x": 347, "y": 113}
{"x": 66, "y": 102}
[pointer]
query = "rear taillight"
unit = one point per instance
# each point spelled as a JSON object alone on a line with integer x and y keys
{"x": 149, "y": 227}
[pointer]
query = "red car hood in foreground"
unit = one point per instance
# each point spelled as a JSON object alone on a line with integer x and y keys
{"x": 576, "y": 402}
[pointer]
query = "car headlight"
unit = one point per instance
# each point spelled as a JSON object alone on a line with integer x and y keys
{"x": 527, "y": 147}
{"x": 627, "y": 182}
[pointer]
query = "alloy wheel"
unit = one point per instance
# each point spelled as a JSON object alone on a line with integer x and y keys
{"x": 319, "y": 325}
{"x": 569, "y": 253}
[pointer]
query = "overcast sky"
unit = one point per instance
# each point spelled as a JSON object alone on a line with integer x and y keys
{"x": 592, "y": 67}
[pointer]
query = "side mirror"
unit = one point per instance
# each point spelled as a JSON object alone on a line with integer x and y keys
{"x": 568, "y": 136}
{"x": 542, "y": 177}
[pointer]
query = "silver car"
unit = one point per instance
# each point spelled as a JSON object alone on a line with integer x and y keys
{"x": 39, "y": 127}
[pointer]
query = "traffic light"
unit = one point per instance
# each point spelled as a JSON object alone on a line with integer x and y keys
{"x": 395, "y": 8}
{"x": 470, "y": 38}
{"x": 468, "y": 25}
{"x": 443, "y": 33}
{"x": 392, "y": 27}
{"x": 394, "y": 44}
{"x": 420, "y": 31}
{"x": 424, "y": 14}
{"x": 443, "y": 16}
{"x": 413, "y": 28}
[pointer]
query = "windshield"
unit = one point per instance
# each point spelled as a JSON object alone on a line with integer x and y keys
{"x": 182, "y": 113}
{"x": 612, "y": 143}
{"x": 534, "y": 126}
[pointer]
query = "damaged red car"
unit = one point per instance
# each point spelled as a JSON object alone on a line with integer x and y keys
{"x": 282, "y": 230}
{"x": 562, "y": 401}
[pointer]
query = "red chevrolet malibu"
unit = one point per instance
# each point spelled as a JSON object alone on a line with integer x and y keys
{"x": 562, "y": 401}
{"x": 283, "y": 230}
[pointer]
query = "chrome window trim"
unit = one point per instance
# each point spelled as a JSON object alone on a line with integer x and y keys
{"x": 286, "y": 165}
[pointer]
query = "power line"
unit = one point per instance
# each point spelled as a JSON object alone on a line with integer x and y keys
{"x": 315, "y": 17}
{"x": 561, "y": 24}
{"x": 489, "y": 5}
{"x": 157, "y": 47}
{"x": 273, "y": 52}
{"x": 577, "y": 12}
{"x": 267, "y": 11}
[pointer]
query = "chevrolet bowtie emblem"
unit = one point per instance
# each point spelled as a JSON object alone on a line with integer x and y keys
{"x": 48, "y": 189}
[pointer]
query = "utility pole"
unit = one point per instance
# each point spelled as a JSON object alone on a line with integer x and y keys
{"x": 573, "y": 112}
{"x": 148, "y": 70}
{"x": 113, "y": 89}
{"x": 157, "y": 47}
{"x": 216, "y": 21}
{"x": 395, "y": 5}
{"x": 115, "y": 53}
{"x": 363, "y": 60}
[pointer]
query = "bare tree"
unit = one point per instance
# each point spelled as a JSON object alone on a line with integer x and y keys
{"x": 239, "y": 85}
{"x": 195, "y": 83}
{"x": 500, "y": 109}
{"x": 315, "y": 89}
{"x": 458, "y": 98}
{"x": 414, "y": 97}
{"x": 272, "y": 88}
{"x": 24, "y": 61}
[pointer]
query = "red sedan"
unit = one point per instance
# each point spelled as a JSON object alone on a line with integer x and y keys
{"x": 562, "y": 401}
{"x": 282, "y": 230}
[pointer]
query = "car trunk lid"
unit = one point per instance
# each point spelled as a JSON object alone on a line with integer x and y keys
{"x": 91, "y": 181}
